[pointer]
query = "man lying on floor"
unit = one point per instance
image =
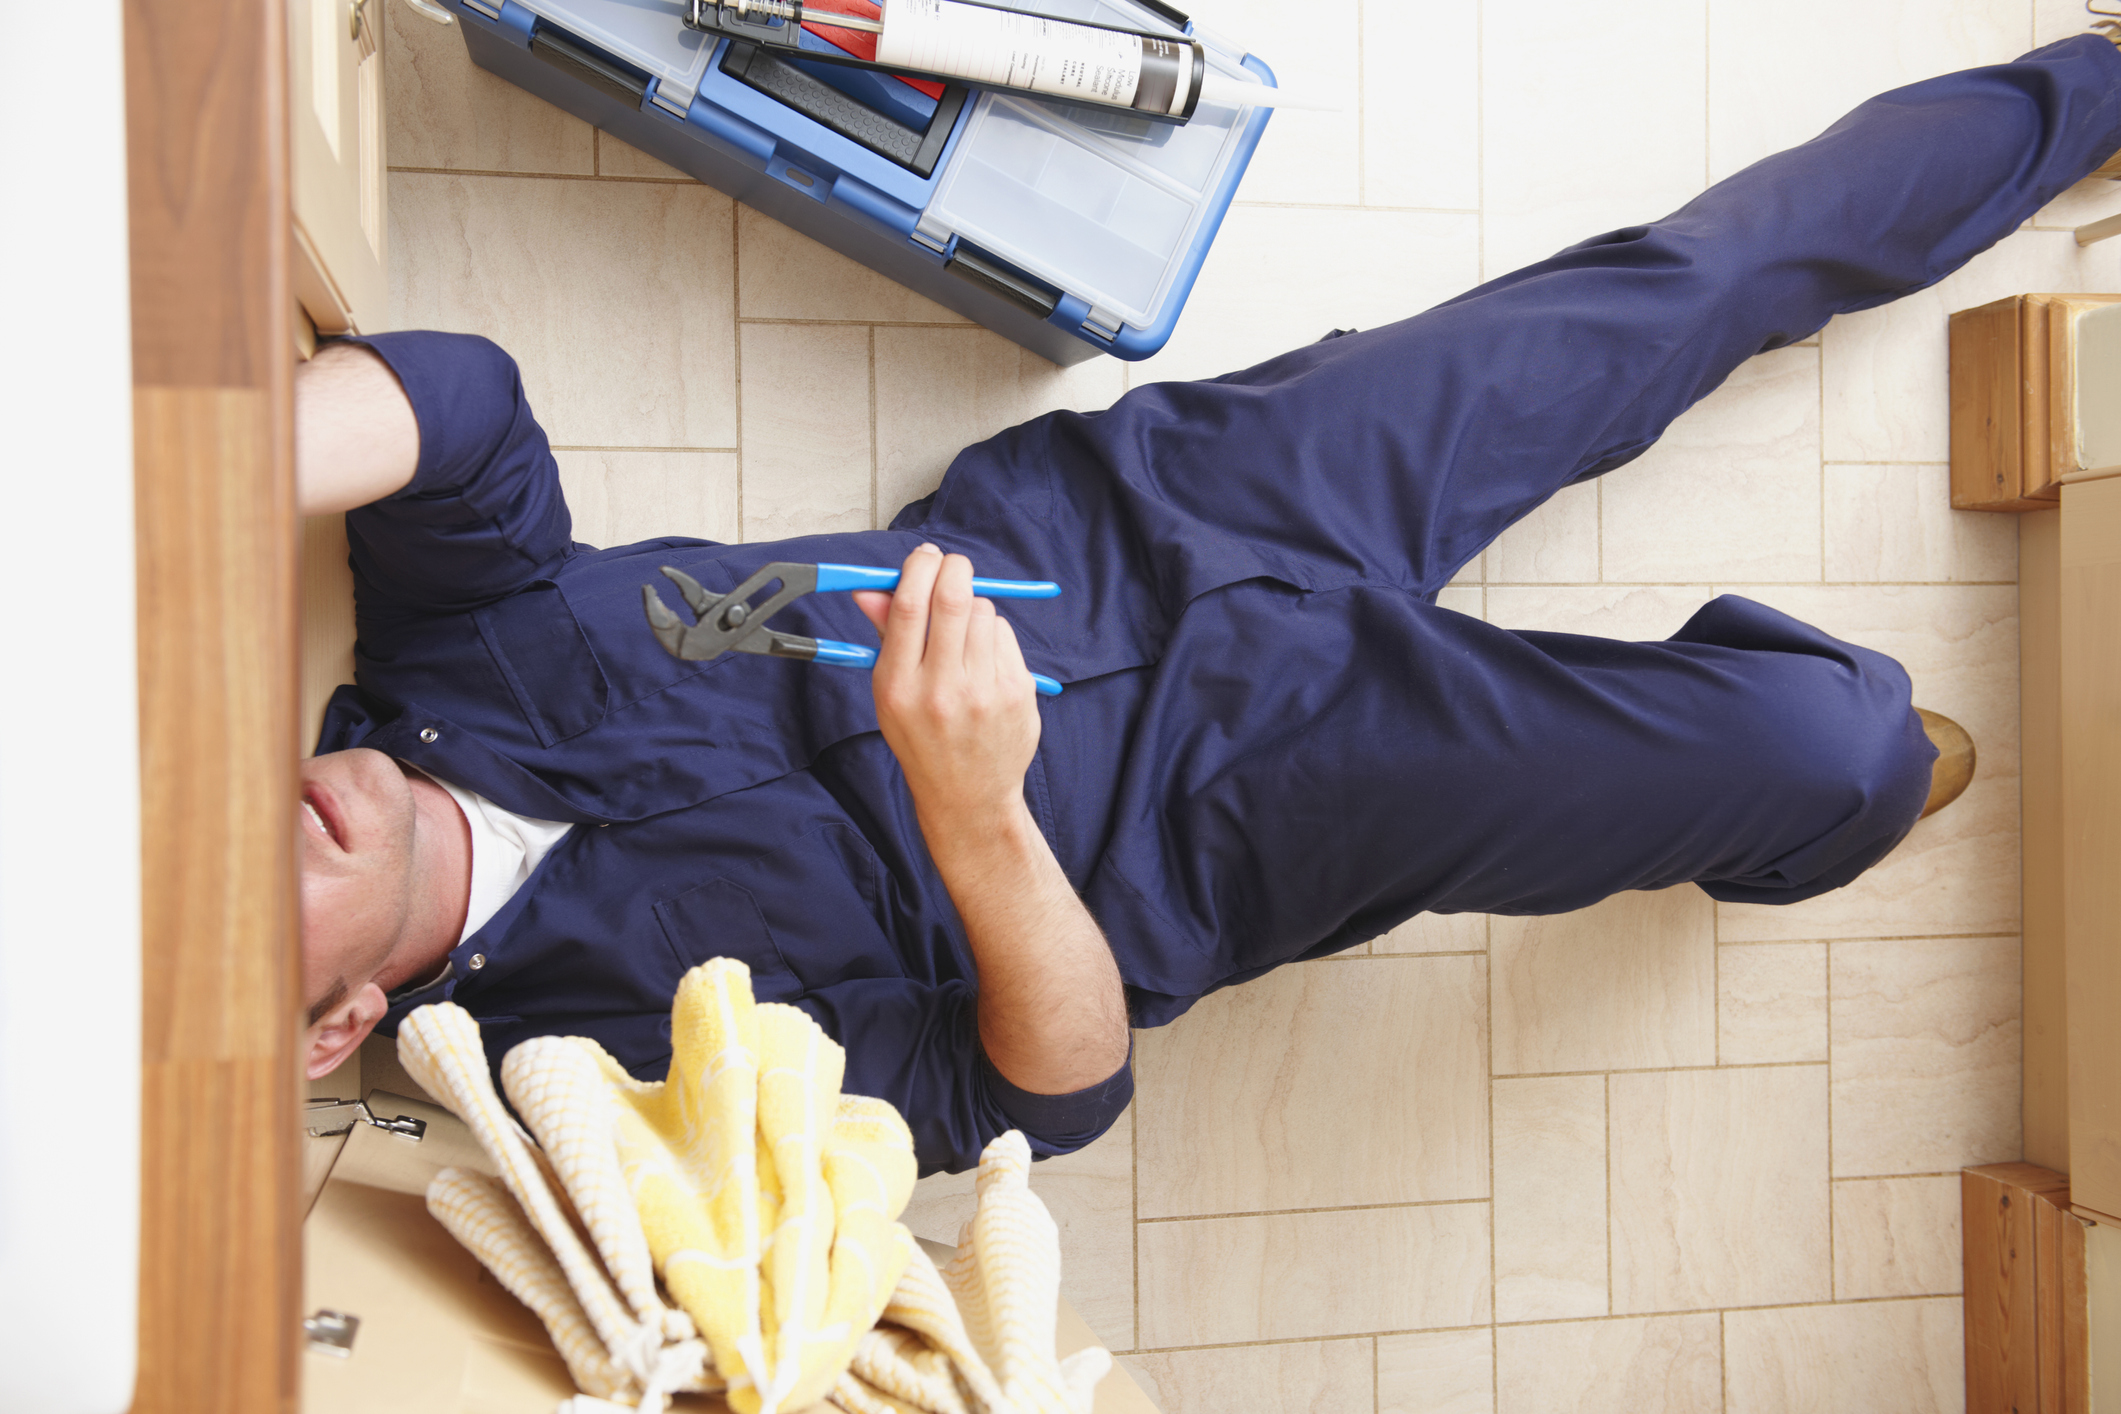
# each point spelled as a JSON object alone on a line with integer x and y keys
{"x": 1272, "y": 746}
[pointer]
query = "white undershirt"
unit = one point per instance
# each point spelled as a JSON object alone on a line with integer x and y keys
{"x": 506, "y": 849}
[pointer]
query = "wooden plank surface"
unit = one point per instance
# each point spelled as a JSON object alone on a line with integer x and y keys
{"x": 2046, "y": 1046}
{"x": 1987, "y": 431}
{"x": 2091, "y": 804}
{"x": 2027, "y": 1341}
{"x": 2002, "y": 1352}
{"x": 220, "y": 1255}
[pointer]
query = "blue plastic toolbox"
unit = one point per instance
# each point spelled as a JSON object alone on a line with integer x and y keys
{"x": 1070, "y": 229}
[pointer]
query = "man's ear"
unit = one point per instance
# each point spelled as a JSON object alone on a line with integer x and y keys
{"x": 342, "y": 1030}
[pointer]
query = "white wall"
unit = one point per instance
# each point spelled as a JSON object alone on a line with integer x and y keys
{"x": 69, "y": 759}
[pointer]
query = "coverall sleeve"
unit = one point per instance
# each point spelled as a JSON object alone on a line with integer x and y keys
{"x": 918, "y": 1047}
{"x": 483, "y": 515}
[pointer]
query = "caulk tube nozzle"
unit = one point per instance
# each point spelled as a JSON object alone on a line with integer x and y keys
{"x": 1225, "y": 92}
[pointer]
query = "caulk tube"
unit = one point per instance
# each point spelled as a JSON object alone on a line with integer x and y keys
{"x": 1080, "y": 63}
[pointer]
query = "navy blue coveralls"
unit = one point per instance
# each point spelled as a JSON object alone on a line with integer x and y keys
{"x": 1273, "y": 744}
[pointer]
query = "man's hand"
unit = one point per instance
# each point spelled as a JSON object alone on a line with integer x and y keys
{"x": 952, "y": 695}
{"x": 958, "y": 709}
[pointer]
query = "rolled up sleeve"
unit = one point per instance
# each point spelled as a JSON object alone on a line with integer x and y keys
{"x": 918, "y": 1047}
{"x": 484, "y": 514}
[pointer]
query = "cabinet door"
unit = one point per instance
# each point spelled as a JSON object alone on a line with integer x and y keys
{"x": 336, "y": 64}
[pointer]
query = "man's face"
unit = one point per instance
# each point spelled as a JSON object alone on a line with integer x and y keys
{"x": 355, "y": 828}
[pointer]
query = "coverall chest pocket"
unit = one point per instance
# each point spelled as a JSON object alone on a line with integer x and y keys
{"x": 806, "y": 916}
{"x": 540, "y": 650}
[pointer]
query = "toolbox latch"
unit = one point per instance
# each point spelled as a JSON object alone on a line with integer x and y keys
{"x": 1104, "y": 323}
{"x": 932, "y": 233}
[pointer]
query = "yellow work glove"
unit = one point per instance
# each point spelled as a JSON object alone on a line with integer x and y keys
{"x": 769, "y": 1200}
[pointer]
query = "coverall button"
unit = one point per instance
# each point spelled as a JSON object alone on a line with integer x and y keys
{"x": 478, "y": 960}
{"x": 429, "y": 734}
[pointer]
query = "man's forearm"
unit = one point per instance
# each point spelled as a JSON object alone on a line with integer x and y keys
{"x": 1052, "y": 1015}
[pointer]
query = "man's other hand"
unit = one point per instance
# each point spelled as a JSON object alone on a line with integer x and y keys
{"x": 953, "y": 696}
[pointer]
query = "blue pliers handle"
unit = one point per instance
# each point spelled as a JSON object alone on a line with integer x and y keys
{"x": 734, "y": 621}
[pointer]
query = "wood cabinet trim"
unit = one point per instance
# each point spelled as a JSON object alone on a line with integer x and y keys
{"x": 206, "y": 102}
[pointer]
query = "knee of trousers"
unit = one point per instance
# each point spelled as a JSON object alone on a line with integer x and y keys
{"x": 1834, "y": 753}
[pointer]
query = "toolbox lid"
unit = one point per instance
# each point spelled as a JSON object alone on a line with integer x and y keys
{"x": 1101, "y": 204}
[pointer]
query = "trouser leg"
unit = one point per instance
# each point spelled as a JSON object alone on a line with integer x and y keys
{"x": 1394, "y": 455}
{"x": 1388, "y": 758}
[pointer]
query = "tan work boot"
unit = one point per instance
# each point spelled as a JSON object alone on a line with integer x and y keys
{"x": 1955, "y": 760}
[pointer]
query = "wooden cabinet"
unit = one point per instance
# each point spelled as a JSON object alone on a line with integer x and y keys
{"x": 336, "y": 136}
{"x": 2036, "y": 386}
{"x": 2015, "y": 417}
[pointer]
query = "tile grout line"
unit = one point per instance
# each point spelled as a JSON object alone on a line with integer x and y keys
{"x": 1362, "y": 156}
{"x": 1864, "y": 938}
{"x": 1494, "y": 1276}
{"x": 1720, "y": 1310}
{"x": 1134, "y": 1198}
{"x": 1657, "y": 1070}
{"x": 736, "y": 344}
{"x": 1723, "y": 1355}
{"x": 1833, "y": 1272}
{"x": 1608, "y": 1102}
{"x": 1313, "y": 1212}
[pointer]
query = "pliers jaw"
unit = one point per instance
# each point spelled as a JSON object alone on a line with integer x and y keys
{"x": 731, "y": 621}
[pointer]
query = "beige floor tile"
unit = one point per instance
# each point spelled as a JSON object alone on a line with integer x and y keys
{"x": 1645, "y": 1365}
{"x": 1375, "y": 1091}
{"x": 1310, "y": 1377}
{"x": 786, "y": 275}
{"x": 1897, "y": 1237}
{"x": 1091, "y": 1196}
{"x": 1731, "y": 490}
{"x": 1551, "y": 1260}
{"x": 1298, "y": 1276}
{"x": 1885, "y": 372}
{"x": 1958, "y": 871}
{"x": 620, "y": 159}
{"x": 808, "y": 461}
{"x": 1420, "y": 104}
{"x": 1254, "y": 301}
{"x": 1627, "y": 983}
{"x": 1436, "y": 1372}
{"x": 1305, "y": 157}
{"x": 1719, "y": 1190}
{"x": 1463, "y": 598}
{"x": 1436, "y": 932}
{"x": 1896, "y": 523}
{"x": 1926, "y": 1054}
{"x": 1771, "y": 1003}
{"x": 1556, "y": 544}
{"x": 1636, "y": 614}
{"x": 1882, "y": 1357}
{"x": 1755, "y": 109}
{"x": 619, "y": 497}
{"x": 941, "y": 390}
{"x": 445, "y": 111}
{"x": 1583, "y": 131}
{"x": 613, "y": 296}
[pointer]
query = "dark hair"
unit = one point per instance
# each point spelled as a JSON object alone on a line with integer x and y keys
{"x": 333, "y": 995}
